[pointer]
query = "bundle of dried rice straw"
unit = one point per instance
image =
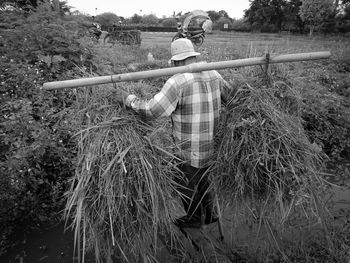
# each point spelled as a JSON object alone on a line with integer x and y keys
{"x": 262, "y": 148}
{"x": 120, "y": 197}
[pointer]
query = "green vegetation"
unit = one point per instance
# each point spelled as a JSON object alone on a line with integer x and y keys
{"x": 326, "y": 16}
{"x": 37, "y": 155}
{"x": 38, "y": 152}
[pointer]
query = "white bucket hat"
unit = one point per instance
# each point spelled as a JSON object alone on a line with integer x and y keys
{"x": 182, "y": 48}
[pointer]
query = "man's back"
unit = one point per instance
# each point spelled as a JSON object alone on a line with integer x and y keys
{"x": 196, "y": 114}
{"x": 193, "y": 101}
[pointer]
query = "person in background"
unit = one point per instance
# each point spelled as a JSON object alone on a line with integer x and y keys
{"x": 178, "y": 26}
{"x": 207, "y": 26}
{"x": 95, "y": 30}
{"x": 193, "y": 102}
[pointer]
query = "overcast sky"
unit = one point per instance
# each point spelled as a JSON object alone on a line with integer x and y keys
{"x": 127, "y": 8}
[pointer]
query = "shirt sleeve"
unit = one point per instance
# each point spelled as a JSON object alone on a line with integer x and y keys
{"x": 161, "y": 105}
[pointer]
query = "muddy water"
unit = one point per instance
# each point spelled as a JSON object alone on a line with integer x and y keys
{"x": 53, "y": 244}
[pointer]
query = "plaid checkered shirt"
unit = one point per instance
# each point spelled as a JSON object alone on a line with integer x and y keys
{"x": 193, "y": 101}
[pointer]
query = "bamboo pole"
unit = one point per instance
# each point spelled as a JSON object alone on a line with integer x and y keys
{"x": 197, "y": 67}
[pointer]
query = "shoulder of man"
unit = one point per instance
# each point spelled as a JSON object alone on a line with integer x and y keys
{"x": 213, "y": 72}
{"x": 216, "y": 73}
{"x": 181, "y": 78}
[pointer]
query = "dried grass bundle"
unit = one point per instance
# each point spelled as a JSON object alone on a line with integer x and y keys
{"x": 120, "y": 197}
{"x": 263, "y": 149}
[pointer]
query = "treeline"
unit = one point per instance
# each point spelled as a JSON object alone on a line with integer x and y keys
{"x": 326, "y": 16}
{"x": 151, "y": 22}
{"x": 296, "y": 16}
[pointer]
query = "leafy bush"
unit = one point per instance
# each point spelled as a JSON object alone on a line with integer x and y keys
{"x": 149, "y": 20}
{"x": 169, "y": 22}
{"x": 327, "y": 121}
{"x": 36, "y": 157}
{"x": 240, "y": 25}
{"x": 326, "y": 112}
{"x": 107, "y": 19}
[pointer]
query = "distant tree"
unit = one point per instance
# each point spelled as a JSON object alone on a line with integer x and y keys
{"x": 214, "y": 16}
{"x": 314, "y": 12}
{"x": 136, "y": 19}
{"x": 150, "y": 20}
{"x": 344, "y": 20}
{"x": 333, "y": 20}
{"x": 169, "y": 22}
{"x": 266, "y": 13}
{"x": 292, "y": 17}
{"x": 277, "y": 14}
{"x": 241, "y": 25}
{"x": 223, "y": 13}
{"x": 107, "y": 19}
{"x": 257, "y": 13}
{"x": 340, "y": 5}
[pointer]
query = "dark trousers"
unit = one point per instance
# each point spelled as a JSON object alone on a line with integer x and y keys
{"x": 195, "y": 194}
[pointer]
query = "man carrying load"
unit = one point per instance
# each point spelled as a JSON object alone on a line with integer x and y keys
{"x": 193, "y": 102}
